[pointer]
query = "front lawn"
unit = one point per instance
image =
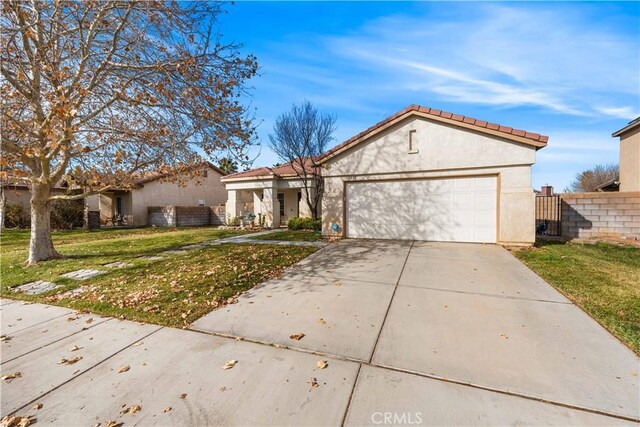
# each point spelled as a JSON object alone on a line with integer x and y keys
{"x": 293, "y": 236}
{"x": 603, "y": 279}
{"x": 172, "y": 291}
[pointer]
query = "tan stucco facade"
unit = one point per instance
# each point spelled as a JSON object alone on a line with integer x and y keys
{"x": 438, "y": 150}
{"x": 630, "y": 160}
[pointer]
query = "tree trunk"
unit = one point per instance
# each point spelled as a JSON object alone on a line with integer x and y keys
{"x": 41, "y": 245}
{"x": 3, "y": 204}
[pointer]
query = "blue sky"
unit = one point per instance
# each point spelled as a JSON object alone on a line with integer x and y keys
{"x": 567, "y": 70}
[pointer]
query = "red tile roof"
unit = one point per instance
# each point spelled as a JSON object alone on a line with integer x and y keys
{"x": 534, "y": 139}
{"x": 282, "y": 171}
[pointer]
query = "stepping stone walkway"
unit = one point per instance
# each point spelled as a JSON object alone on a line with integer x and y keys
{"x": 197, "y": 246}
{"x": 150, "y": 257}
{"x": 35, "y": 288}
{"x": 118, "y": 264}
{"x": 82, "y": 274}
{"x": 174, "y": 252}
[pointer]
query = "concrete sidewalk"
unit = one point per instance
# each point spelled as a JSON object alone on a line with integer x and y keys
{"x": 412, "y": 334}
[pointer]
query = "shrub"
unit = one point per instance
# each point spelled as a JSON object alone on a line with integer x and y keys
{"x": 15, "y": 216}
{"x": 232, "y": 221}
{"x": 304, "y": 224}
{"x": 67, "y": 214}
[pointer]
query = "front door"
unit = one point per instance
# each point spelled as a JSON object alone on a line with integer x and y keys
{"x": 283, "y": 218}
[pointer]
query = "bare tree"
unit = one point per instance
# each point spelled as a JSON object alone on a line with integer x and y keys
{"x": 592, "y": 179}
{"x": 299, "y": 137}
{"x": 98, "y": 92}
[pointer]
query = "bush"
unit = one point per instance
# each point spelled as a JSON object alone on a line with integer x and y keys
{"x": 232, "y": 221}
{"x": 304, "y": 224}
{"x": 15, "y": 216}
{"x": 67, "y": 214}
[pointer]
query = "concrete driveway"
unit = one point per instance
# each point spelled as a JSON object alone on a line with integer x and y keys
{"x": 413, "y": 334}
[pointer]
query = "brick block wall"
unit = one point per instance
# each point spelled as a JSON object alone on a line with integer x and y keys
{"x": 614, "y": 214}
{"x": 216, "y": 215}
{"x": 161, "y": 216}
{"x": 192, "y": 216}
{"x": 93, "y": 221}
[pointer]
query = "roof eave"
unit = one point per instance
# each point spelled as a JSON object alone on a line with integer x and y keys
{"x": 411, "y": 112}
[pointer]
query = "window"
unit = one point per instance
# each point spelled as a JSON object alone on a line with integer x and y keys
{"x": 200, "y": 202}
{"x": 413, "y": 142}
{"x": 281, "y": 201}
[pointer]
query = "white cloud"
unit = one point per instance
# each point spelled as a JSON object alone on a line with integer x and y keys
{"x": 550, "y": 57}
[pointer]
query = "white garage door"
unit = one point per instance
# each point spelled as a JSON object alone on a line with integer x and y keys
{"x": 450, "y": 210}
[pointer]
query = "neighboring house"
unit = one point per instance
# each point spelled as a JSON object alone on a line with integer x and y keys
{"x": 132, "y": 204}
{"x": 423, "y": 174}
{"x": 276, "y": 193}
{"x": 629, "y": 156}
{"x": 16, "y": 192}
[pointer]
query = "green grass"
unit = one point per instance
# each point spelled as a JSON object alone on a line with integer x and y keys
{"x": 173, "y": 291}
{"x": 603, "y": 279}
{"x": 293, "y": 236}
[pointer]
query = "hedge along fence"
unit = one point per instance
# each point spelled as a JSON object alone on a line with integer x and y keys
{"x": 65, "y": 214}
{"x": 611, "y": 214}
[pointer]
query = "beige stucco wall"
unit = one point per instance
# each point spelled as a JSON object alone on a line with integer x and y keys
{"x": 158, "y": 193}
{"x": 630, "y": 161}
{"x": 443, "y": 151}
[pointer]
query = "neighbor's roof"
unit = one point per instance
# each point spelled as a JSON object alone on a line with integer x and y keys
{"x": 631, "y": 126}
{"x": 153, "y": 175}
{"x": 517, "y": 135}
{"x": 283, "y": 171}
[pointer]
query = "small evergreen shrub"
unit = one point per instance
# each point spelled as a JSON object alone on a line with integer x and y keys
{"x": 304, "y": 224}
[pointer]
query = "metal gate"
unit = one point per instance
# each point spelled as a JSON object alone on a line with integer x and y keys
{"x": 548, "y": 216}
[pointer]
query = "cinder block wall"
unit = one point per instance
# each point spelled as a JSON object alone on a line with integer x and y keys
{"x": 192, "y": 216}
{"x": 161, "y": 216}
{"x": 217, "y": 214}
{"x": 614, "y": 214}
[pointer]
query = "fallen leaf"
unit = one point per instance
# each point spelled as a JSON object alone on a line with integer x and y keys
{"x": 16, "y": 421}
{"x": 230, "y": 364}
{"x": 135, "y": 408}
{"x": 322, "y": 321}
{"x": 138, "y": 343}
{"x": 314, "y": 383}
{"x": 111, "y": 423}
{"x": 183, "y": 396}
{"x": 297, "y": 337}
{"x": 5, "y": 338}
{"x": 124, "y": 369}
{"x": 70, "y": 361}
{"x": 10, "y": 377}
{"x": 89, "y": 320}
{"x": 167, "y": 409}
{"x": 74, "y": 348}
{"x": 338, "y": 283}
{"x": 37, "y": 406}
{"x": 71, "y": 319}
{"x": 322, "y": 364}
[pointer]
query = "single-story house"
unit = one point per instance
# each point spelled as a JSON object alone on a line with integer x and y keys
{"x": 131, "y": 205}
{"x": 277, "y": 193}
{"x": 629, "y": 156}
{"x": 425, "y": 174}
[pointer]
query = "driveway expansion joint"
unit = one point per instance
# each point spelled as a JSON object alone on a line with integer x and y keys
{"x": 386, "y": 314}
{"x": 483, "y": 294}
{"x": 410, "y": 372}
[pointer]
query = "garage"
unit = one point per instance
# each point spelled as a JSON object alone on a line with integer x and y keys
{"x": 461, "y": 209}
{"x": 426, "y": 174}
